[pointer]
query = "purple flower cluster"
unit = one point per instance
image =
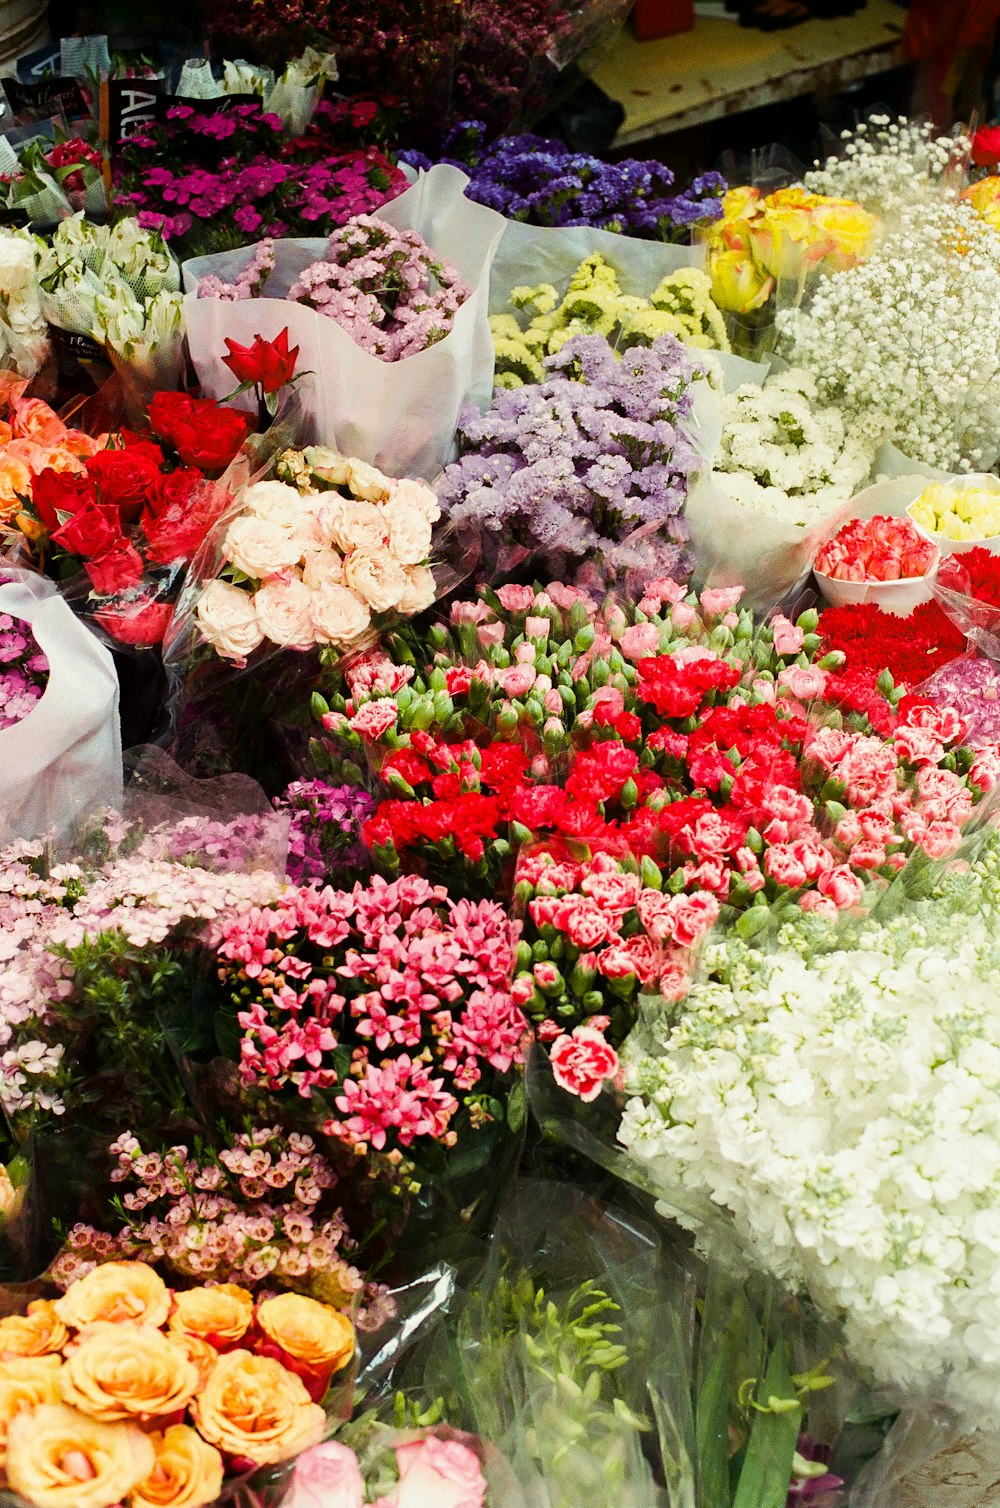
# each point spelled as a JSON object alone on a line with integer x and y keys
{"x": 222, "y": 174}
{"x": 325, "y": 837}
{"x": 542, "y": 182}
{"x": 971, "y": 686}
{"x": 594, "y": 461}
{"x": 24, "y": 671}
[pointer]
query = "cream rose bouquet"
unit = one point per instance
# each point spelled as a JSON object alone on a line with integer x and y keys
{"x": 122, "y": 1392}
{"x": 323, "y": 554}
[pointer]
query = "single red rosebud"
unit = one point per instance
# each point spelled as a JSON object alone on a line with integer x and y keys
{"x": 61, "y": 492}
{"x": 94, "y": 531}
{"x": 267, "y": 364}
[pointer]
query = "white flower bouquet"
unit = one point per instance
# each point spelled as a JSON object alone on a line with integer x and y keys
{"x": 838, "y": 1097}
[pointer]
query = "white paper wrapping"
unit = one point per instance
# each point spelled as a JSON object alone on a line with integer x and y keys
{"x": 64, "y": 759}
{"x": 401, "y": 416}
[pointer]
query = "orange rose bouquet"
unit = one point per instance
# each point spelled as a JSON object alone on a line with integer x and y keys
{"x": 124, "y": 1392}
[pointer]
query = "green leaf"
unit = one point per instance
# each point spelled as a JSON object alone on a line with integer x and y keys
{"x": 767, "y": 1466}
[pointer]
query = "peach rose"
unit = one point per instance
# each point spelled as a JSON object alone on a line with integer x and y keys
{"x": 26, "y": 1382}
{"x": 187, "y": 1474}
{"x": 352, "y": 525}
{"x": 199, "y": 1353}
{"x": 339, "y": 616}
{"x": 259, "y": 548}
{"x": 254, "y": 1407}
{"x": 115, "y": 1291}
{"x": 283, "y": 613}
{"x": 367, "y": 481}
{"x": 409, "y": 532}
{"x": 308, "y": 1331}
{"x": 322, "y": 567}
{"x": 376, "y": 578}
{"x": 79, "y": 444}
{"x": 419, "y": 591}
{"x": 275, "y": 502}
{"x": 58, "y": 1458}
{"x": 39, "y": 1332}
{"x": 222, "y": 1314}
{"x": 33, "y": 419}
{"x": 127, "y": 1372}
{"x": 15, "y": 482}
{"x": 227, "y": 620}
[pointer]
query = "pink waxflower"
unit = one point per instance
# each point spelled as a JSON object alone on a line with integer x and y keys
{"x": 583, "y": 1062}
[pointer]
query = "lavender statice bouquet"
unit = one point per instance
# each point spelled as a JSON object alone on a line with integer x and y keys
{"x": 384, "y": 286}
{"x": 540, "y": 181}
{"x": 24, "y": 671}
{"x": 591, "y": 464}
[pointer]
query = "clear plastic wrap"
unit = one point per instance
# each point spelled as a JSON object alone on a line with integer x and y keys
{"x": 399, "y": 416}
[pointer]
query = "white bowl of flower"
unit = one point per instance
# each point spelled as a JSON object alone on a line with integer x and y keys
{"x": 885, "y": 561}
{"x": 960, "y": 514}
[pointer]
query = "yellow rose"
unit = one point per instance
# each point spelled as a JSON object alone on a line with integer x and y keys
{"x": 850, "y": 232}
{"x": 783, "y": 241}
{"x": 199, "y": 1353}
{"x": 984, "y": 196}
{"x": 116, "y": 1291}
{"x": 127, "y": 1372}
{"x": 794, "y": 197}
{"x": 37, "y": 1333}
{"x": 224, "y": 1311}
{"x": 26, "y": 1382}
{"x": 187, "y": 1474}
{"x": 737, "y": 283}
{"x": 57, "y": 1458}
{"x": 308, "y": 1331}
{"x": 741, "y": 202}
{"x": 253, "y": 1407}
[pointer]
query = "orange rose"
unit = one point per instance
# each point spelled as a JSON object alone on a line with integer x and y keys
{"x": 308, "y": 1331}
{"x": 201, "y": 1355}
{"x": 26, "y": 1382}
{"x": 15, "y": 483}
{"x": 254, "y": 1407}
{"x": 127, "y": 1372}
{"x": 187, "y": 1474}
{"x": 40, "y": 1332}
{"x": 116, "y": 1291}
{"x": 57, "y": 1458}
{"x": 221, "y": 1314}
{"x": 35, "y": 420}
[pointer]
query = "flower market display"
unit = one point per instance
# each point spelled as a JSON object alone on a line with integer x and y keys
{"x": 499, "y": 829}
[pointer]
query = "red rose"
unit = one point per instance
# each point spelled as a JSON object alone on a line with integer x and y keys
{"x": 268, "y": 364}
{"x": 123, "y": 478}
{"x": 582, "y": 1062}
{"x": 986, "y": 147}
{"x": 141, "y": 624}
{"x": 202, "y": 433}
{"x": 92, "y": 531}
{"x": 61, "y": 492}
{"x": 114, "y": 572}
{"x": 172, "y": 487}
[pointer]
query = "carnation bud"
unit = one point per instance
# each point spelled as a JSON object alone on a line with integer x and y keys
{"x": 318, "y": 706}
{"x": 581, "y": 980}
{"x": 629, "y": 794}
{"x": 755, "y": 842}
{"x": 520, "y": 835}
{"x": 584, "y": 639}
{"x": 507, "y": 721}
{"x": 649, "y": 872}
{"x": 437, "y": 680}
{"x": 809, "y": 621}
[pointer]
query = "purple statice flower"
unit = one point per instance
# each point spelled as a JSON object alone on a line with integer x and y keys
{"x": 324, "y": 841}
{"x": 542, "y": 182}
{"x": 593, "y": 462}
{"x": 24, "y": 671}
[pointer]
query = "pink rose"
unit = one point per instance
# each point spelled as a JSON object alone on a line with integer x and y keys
{"x": 639, "y": 640}
{"x": 582, "y": 1062}
{"x": 327, "y": 1476}
{"x": 375, "y": 718}
{"x": 436, "y": 1473}
{"x": 518, "y": 680}
{"x": 841, "y": 886}
{"x": 788, "y": 639}
{"x": 516, "y": 599}
{"x": 803, "y": 681}
{"x": 718, "y": 600}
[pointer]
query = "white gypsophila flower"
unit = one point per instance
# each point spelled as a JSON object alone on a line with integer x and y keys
{"x": 887, "y": 164}
{"x": 904, "y": 337}
{"x": 839, "y": 1098}
{"x": 787, "y": 457}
